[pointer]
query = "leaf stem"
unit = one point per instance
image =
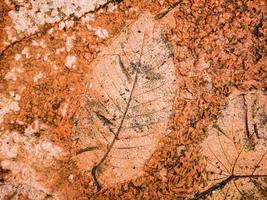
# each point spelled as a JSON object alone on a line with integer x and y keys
{"x": 116, "y": 135}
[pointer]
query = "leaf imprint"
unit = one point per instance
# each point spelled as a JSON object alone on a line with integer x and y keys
{"x": 128, "y": 103}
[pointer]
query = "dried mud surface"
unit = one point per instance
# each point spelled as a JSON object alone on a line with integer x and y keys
{"x": 133, "y": 99}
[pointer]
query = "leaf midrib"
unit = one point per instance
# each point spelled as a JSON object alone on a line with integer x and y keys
{"x": 116, "y": 135}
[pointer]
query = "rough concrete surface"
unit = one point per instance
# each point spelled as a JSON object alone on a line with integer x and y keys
{"x": 133, "y": 99}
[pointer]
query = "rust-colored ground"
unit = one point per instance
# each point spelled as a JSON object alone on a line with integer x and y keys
{"x": 211, "y": 144}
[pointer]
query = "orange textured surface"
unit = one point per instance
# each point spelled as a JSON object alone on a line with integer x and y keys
{"x": 218, "y": 52}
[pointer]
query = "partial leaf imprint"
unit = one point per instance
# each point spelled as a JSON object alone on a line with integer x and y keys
{"x": 236, "y": 149}
{"x": 128, "y": 103}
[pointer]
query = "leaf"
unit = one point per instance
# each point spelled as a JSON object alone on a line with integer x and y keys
{"x": 235, "y": 151}
{"x": 128, "y": 103}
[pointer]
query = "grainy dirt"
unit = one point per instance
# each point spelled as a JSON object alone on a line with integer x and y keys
{"x": 211, "y": 144}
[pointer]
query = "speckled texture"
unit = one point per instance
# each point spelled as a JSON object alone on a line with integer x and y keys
{"x": 219, "y": 53}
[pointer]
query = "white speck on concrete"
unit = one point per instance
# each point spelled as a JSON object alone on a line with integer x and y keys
{"x": 55, "y": 67}
{"x": 7, "y": 106}
{"x": 69, "y": 44}
{"x": 17, "y": 57}
{"x": 42, "y": 44}
{"x": 20, "y": 122}
{"x": 38, "y": 76}
{"x": 52, "y": 149}
{"x": 33, "y": 128}
{"x": 39, "y": 44}
{"x": 46, "y": 57}
{"x": 209, "y": 84}
{"x": 70, "y": 62}
{"x": 112, "y": 7}
{"x": 38, "y": 56}
{"x": 9, "y": 33}
{"x": 58, "y": 51}
{"x": 34, "y": 43}
{"x": 102, "y": 33}
{"x": 64, "y": 109}
{"x": 14, "y": 39}
{"x": 51, "y": 31}
{"x": 89, "y": 27}
{"x": 26, "y": 52}
{"x": 69, "y": 24}
{"x": 161, "y": 2}
{"x": 61, "y": 25}
{"x": 88, "y": 18}
{"x": 71, "y": 178}
{"x": 12, "y": 74}
{"x": 7, "y": 147}
{"x": 15, "y": 96}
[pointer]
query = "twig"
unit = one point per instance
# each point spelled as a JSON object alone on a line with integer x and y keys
{"x": 217, "y": 186}
{"x": 222, "y": 184}
{"x": 86, "y": 149}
